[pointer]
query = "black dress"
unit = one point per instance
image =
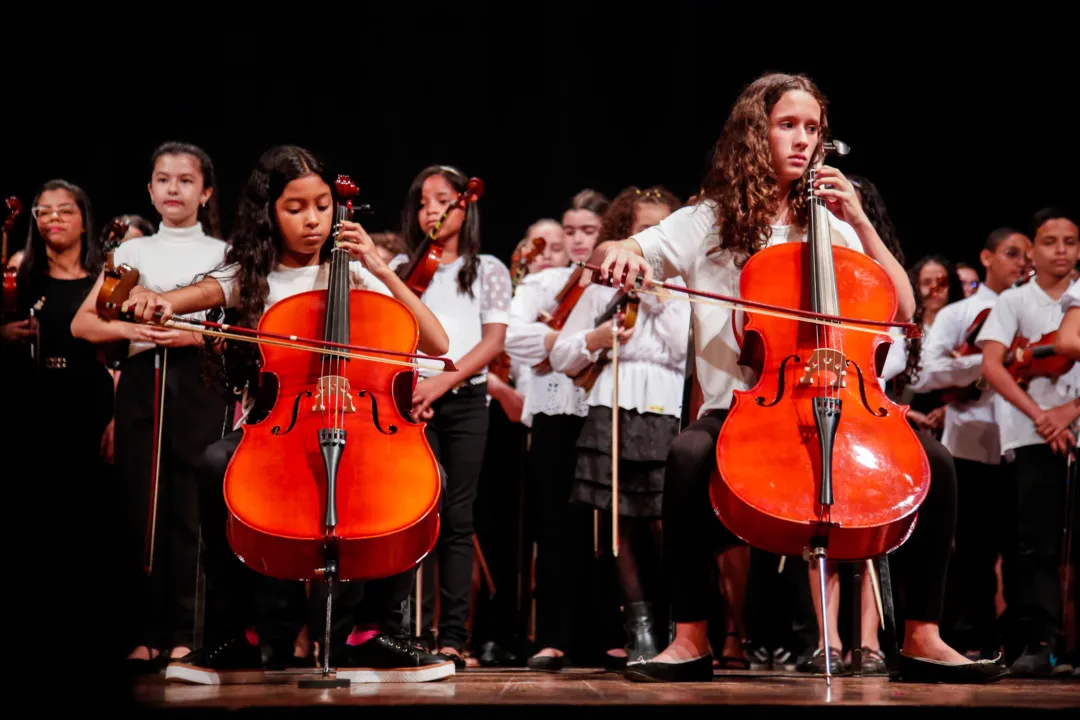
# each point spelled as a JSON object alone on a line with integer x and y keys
{"x": 66, "y": 394}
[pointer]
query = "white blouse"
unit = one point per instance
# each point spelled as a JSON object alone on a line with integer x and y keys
{"x": 551, "y": 393}
{"x": 464, "y": 317}
{"x": 652, "y": 363}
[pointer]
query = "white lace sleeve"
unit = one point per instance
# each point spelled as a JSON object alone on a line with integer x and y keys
{"x": 495, "y": 291}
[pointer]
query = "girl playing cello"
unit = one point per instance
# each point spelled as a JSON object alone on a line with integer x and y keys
{"x": 278, "y": 250}
{"x": 755, "y": 197}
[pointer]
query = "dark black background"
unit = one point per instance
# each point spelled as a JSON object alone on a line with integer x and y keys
{"x": 964, "y": 123}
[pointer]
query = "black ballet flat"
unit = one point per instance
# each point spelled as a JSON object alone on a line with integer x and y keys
{"x": 921, "y": 670}
{"x": 546, "y": 663}
{"x": 698, "y": 670}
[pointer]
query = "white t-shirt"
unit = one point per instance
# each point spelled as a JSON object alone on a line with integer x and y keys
{"x": 463, "y": 317}
{"x": 1071, "y": 298}
{"x": 1030, "y": 312}
{"x": 169, "y": 259}
{"x": 679, "y": 246}
{"x": 971, "y": 430}
{"x": 285, "y": 282}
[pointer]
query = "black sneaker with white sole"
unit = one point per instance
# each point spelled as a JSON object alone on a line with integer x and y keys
{"x": 235, "y": 661}
{"x": 387, "y": 659}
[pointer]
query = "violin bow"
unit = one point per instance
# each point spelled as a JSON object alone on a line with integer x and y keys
{"x": 707, "y": 298}
{"x": 161, "y": 355}
{"x": 615, "y": 435}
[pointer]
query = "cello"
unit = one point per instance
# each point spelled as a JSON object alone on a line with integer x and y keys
{"x": 361, "y": 482}
{"x": 814, "y": 459}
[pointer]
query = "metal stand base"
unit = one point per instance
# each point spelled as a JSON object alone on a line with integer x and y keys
{"x": 325, "y": 681}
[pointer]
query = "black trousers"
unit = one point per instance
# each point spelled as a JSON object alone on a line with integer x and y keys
{"x": 163, "y": 611}
{"x": 1030, "y": 571}
{"x": 983, "y": 532}
{"x": 562, "y": 532}
{"x": 692, "y": 533}
{"x": 457, "y": 434}
{"x": 241, "y": 598}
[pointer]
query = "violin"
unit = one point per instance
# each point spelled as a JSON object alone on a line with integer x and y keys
{"x": 10, "y": 309}
{"x": 1026, "y": 360}
{"x": 626, "y": 303}
{"x": 967, "y": 393}
{"x": 112, "y": 353}
{"x": 565, "y": 301}
{"x": 815, "y": 458}
{"x": 519, "y": 268}
{"x": 336, "y": 482}
{"x": 419, "y": 272}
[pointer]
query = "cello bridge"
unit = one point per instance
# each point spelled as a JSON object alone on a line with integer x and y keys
{"x": 826, "y": 368}
{"x": 333, "y": 391}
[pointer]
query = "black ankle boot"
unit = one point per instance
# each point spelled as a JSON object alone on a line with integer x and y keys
{"x": 640, "y": 640}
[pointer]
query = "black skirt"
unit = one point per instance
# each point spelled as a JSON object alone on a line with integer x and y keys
{"x": 644, "y": 439}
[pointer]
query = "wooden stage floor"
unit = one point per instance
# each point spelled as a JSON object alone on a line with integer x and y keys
{"x": 501, "y": 693}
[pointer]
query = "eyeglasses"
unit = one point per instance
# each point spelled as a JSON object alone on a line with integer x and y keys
{"x": 66, "y": 211}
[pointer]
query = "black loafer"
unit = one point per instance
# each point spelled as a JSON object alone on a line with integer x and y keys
{"x": 921, "y": 670}
{"x": 698, "y": 670}
{"x": 546, "y": 663}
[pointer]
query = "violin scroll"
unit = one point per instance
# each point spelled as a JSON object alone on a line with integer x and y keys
{"x": 473, "y": 190}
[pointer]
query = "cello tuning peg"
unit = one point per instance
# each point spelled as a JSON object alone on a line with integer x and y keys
{"x": 363, "y": 209}
{"x": 839, "y": 147}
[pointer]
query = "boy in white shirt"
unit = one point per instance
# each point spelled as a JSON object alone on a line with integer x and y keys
{"x": 1038, "y": 429}
{"x": 951, "y": 361}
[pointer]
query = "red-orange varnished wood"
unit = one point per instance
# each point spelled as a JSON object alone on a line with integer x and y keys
{"x": 767, "y": 486}
{"x": 388, "y": 482}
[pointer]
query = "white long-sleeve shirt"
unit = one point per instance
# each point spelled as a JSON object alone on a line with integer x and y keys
{"x": 971, "y": 431}
{"x": 652, "y": 363}
{"x": 552, "y": 393}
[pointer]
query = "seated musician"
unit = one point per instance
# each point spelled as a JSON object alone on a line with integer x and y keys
{"x": 278, "y": 250}
{"x": 1038, "y": 430}
{"x": 755, "y": 197}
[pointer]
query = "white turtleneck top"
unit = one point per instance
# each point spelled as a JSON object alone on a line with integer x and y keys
{"x": 169, "y": 259}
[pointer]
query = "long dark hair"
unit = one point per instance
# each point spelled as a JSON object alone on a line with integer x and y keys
{"x": 255, "y": 247}
{"x": 910, "y": 375}
{"x": 742, "y": 181}
{"x": 34, "y": 268}
{"x": 208, "y": 215}
{"x": 468, "y": 238}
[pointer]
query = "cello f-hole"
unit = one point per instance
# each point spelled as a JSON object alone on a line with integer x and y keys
{"x": 295, "y": 413}
{"x": 375, "y": 413}
{"x": 760, "y": 400}
{"x": 881, "y": 412}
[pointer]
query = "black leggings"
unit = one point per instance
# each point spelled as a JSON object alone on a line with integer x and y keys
{"x": 692, "y": 533}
